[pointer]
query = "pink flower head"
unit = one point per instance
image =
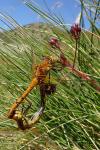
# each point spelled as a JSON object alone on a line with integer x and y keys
{"x": 54, "y": 42}
{"x": 75, "y": 31}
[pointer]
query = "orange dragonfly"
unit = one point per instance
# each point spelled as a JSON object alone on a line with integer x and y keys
{"x": 42, "y": 70}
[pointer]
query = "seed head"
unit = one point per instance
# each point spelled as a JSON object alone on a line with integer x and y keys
{"x": 54, "y": 42}
{"x": 75, "y": 31}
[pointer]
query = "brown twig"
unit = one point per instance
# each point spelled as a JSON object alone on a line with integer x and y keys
{"x": 65, "y": 62}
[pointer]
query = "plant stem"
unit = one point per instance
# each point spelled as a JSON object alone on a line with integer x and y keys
{"x": 76, "y": 48}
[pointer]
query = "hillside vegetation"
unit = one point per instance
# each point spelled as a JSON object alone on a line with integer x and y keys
{"x": 72, "y": 115}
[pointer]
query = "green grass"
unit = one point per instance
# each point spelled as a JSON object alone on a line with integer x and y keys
{"x": 72, "y": 116}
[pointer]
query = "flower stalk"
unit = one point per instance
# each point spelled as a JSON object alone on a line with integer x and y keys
{"x": 75, "y": 32}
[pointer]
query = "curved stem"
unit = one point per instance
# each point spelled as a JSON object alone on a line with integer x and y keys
{"x": 76, "y": 48}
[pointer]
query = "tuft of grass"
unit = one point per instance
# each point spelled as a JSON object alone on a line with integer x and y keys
{"x": 72, "y": 115}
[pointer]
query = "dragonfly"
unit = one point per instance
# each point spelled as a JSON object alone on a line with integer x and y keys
{"x": 46, "y": 88}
